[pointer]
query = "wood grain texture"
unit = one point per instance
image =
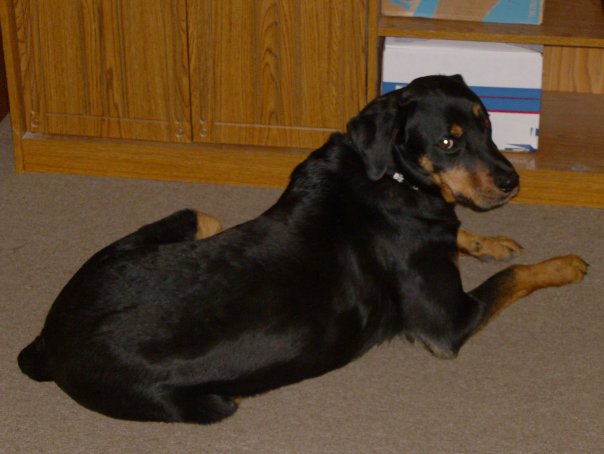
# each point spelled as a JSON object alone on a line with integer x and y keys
{"x": 571, "y": 132}
{"x": 10, "y": 40}
{"x": 3, "y": 86}
{"x": 291, "y": 74}
{"x": 571, "y": 137}
{"x": 551, "y": 187}
{"x": 210, "y": 163}
{"x": 375, "y": 46}
{"x": 105, "y": 68}
{"x": 573, "y": 69}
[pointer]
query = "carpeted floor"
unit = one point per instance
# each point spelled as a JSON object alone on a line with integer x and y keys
{"x": 531, "y": 382}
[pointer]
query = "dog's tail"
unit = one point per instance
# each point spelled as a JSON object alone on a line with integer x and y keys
{"x": 32, "y": 361}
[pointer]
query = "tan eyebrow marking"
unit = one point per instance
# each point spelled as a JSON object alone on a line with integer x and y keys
{"x": 477, "y": 110}
{"x": 456, "y": 131}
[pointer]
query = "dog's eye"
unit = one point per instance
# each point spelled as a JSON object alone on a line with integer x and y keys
{"x": 446, "y": 143}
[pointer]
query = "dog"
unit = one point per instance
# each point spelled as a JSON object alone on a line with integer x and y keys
{"x": 179, "y": 320}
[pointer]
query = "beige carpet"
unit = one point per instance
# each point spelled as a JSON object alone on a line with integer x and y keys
{"x": 532, "y": 382}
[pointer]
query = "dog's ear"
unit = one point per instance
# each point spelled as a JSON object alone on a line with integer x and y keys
{"x": 372, "y": 133}
{"x": 458, "y": 78}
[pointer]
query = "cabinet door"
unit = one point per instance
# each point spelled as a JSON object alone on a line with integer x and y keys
{"x": 276, "y": 72}
{"x": 106, "y": 68}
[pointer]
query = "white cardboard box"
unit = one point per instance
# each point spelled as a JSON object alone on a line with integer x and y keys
{"x": 506, "y": 77}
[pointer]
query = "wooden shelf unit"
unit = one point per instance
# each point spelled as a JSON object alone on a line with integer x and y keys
{"x": 568, "y": 169}
{"x": 569, "y": 166}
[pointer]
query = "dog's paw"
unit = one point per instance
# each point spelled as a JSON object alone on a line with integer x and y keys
{"x": 565, "y": 270}
{"x": 495, "y": 248}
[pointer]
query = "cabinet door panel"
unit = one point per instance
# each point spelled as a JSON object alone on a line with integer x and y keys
{"x": 106, "y": 68}
{"x": 276, "y": 72}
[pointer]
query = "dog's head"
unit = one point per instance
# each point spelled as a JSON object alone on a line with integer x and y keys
{"x": 436, "y": 133}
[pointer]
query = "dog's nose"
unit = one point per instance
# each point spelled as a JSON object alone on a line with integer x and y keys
{"x": 507, "y": 182}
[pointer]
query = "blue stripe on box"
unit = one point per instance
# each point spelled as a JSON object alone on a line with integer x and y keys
{"x": 387, "y": 87}
{"x": 497, "y": 99}
{"x": 505, "y": 92}
{"x": 514, "y": 12}
{"x": 512, "y": 105}
{"x": 520, "y": 147}
{"x": 426, "y": 8}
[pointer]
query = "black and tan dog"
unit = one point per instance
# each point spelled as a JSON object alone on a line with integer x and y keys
{"x": 361, "y": 247}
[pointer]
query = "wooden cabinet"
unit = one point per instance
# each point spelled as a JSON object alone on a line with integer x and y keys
{"x": 280, "y": 72}
{"x": 222, "y": 91}
{"x": 105, "y": 68}
{"x": 3, "y": 88}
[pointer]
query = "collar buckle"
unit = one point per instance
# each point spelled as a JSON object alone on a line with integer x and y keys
{"x": 400, "y": 178}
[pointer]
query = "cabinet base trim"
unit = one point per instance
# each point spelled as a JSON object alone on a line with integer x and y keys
{"x": 256, "y": 166}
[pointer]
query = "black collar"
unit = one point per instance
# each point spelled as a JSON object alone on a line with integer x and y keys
{"x": 397, "y": 176}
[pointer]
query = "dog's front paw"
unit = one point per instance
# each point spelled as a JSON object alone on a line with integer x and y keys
{"x": 495, "y": 248}
{"x": 565, "y": 270}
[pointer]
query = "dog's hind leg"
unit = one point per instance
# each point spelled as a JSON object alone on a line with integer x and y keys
{"x": 191, "y": 404}
{"x": 207, "y": 225}
{"x": 485, "y": 248}
{"x": 161, "y": 403}
{"x": 184, "y": 225}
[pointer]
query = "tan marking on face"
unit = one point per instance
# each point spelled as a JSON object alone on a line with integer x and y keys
{"x": 456, "y": 131}
{"x": 478, "y": 113}
{"x": 445, "y": 189}
{"x": 459, "y": 181}
{"x": 446, "y": 192}
{"x": 476, "y": 186}
{"x": 477, "y": 110}
{"x": 426, "y": 164}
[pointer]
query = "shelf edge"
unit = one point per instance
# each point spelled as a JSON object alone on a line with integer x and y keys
{"x": 260, "y": 167}
{"x": 554, "y": 187}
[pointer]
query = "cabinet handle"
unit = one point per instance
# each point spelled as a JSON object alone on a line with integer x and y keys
{"x": 179, "y": 131}
{"x": 203, "y": 128}
{"x": 35, "y": 120}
